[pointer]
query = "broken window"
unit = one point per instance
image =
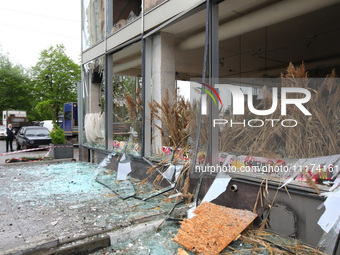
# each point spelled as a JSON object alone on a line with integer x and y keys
{"x": 93, "y": 100}
{"x": 123, "y": 12}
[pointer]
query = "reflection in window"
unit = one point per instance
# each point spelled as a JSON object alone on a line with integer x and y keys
{"x": 124, "y": 12}
{"x": 68, "y": 115}
{"x": 127, "y": 100}
{"x": 93, "y": 25}
{"x": 94, "y": 116}
{"x": 127, "y": 114}
{"x": 37, "y": 132}
{"x": 290, "y": 145}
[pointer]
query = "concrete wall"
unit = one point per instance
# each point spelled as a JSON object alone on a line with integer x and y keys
{"x": 162, "y": 77}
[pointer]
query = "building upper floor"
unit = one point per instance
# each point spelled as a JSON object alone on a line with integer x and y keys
{"x": 256, "y": 37}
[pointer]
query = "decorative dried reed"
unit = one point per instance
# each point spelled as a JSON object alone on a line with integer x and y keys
{"x": 135, "y": 107}
{"x": 317, "y": 135}
{"x": 174, "y": 114}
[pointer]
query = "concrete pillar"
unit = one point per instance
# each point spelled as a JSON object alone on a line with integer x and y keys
{"x": 162, "y": 77}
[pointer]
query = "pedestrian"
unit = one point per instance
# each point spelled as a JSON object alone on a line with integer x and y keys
{"x": 10, "y": 132}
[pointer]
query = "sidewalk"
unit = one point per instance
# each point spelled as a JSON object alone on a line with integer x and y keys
{"x": 32, "y": 154}
{"x": 59, "y": 208}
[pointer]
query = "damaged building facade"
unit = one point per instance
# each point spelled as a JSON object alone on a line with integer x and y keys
{"x": 140, "y": 56}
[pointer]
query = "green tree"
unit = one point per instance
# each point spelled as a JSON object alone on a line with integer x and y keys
{"x": 55, "y": 79}
{"x": 44, "y": 110}
{"x": 15, "y": 90}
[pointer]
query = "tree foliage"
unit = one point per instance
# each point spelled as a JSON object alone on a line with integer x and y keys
{"x": 44, "y": 110}
{"x": 15, "y": 91}
{"x": 55, "y": 78}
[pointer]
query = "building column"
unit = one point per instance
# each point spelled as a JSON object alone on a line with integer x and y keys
{"x": 162, "y": 77}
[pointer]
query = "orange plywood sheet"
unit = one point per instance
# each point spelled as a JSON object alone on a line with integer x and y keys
{"x": 182, "y": 252}
{"x": 213, "y": 228}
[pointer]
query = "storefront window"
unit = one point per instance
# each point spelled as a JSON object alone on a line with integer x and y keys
{"x": 94, "y": 115}
{"x": 281, "y": 129}
{"x": 127, "y": 114}
{"x": 127, "y": 101}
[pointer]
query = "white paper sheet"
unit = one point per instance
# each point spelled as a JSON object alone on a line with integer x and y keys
{"x": 217, "y": 187}
{"x": 332, "y": 211}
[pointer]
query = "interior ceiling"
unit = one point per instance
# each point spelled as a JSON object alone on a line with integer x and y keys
{"x": 228, "y": 10}
{"x": 313, "y": 38}
{"x": 266, "y": 52}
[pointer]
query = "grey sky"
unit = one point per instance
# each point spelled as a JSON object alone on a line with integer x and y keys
{"x": 28, "y": 27}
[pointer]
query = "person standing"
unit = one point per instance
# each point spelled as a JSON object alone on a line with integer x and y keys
{"x": 9, "y": 137}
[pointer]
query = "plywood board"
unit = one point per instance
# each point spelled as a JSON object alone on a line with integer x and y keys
{"x": 213, "y": 228}
{"x": 182, "y": 252}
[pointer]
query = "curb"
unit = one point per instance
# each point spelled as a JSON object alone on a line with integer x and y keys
{"x": 34, "y": 149}
{"x": 44, "y": 161}
{"x": 33, "y": 247}
{"x": 81, "y": 246}
{"x": 93, "y": 241}
{"x": 53, "y": 246}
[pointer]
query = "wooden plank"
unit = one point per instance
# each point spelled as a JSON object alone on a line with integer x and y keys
{"x": 213, "y": 228}
{"x": 182, "y": 252}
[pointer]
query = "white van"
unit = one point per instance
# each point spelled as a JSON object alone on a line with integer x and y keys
{"x": 47, "y": 123}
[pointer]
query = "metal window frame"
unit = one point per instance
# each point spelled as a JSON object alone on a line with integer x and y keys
{"x": 213, "y": 150}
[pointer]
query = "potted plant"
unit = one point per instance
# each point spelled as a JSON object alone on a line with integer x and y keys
{"x": 59, "y": 148}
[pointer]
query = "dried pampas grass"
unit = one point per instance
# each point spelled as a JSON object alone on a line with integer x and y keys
{"x": 174, "y": 114}
{"x": 314, "y": 136}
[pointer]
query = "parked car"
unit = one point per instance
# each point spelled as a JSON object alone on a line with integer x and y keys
{"x": 47, "y": 124}
{"x": 2, "y": 132}
{"x": 33, "y": 137}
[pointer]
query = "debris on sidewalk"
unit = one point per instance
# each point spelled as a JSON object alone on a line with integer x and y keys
{"x": 62, "y": 200}
{"x": 213, "y": 228}
{"x": 254, "y": 241}
{"x": 146, "y": 243}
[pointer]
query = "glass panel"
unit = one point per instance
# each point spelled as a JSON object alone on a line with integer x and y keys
{"x": 127, "y": 114}
{"x": 281, "y": 129}
{"x": 36, "y": 132}
{"x": 93, "y": 24}
{"x": 68, "y": 115}
{"x": 199, "y": 124}
{"x": 94, "y": 115}
{"x": 127, "y": 100}
{"x": 123, "y": 12}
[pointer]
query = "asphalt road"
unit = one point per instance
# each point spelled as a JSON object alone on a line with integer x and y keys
{"x": 15, "y": 154}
